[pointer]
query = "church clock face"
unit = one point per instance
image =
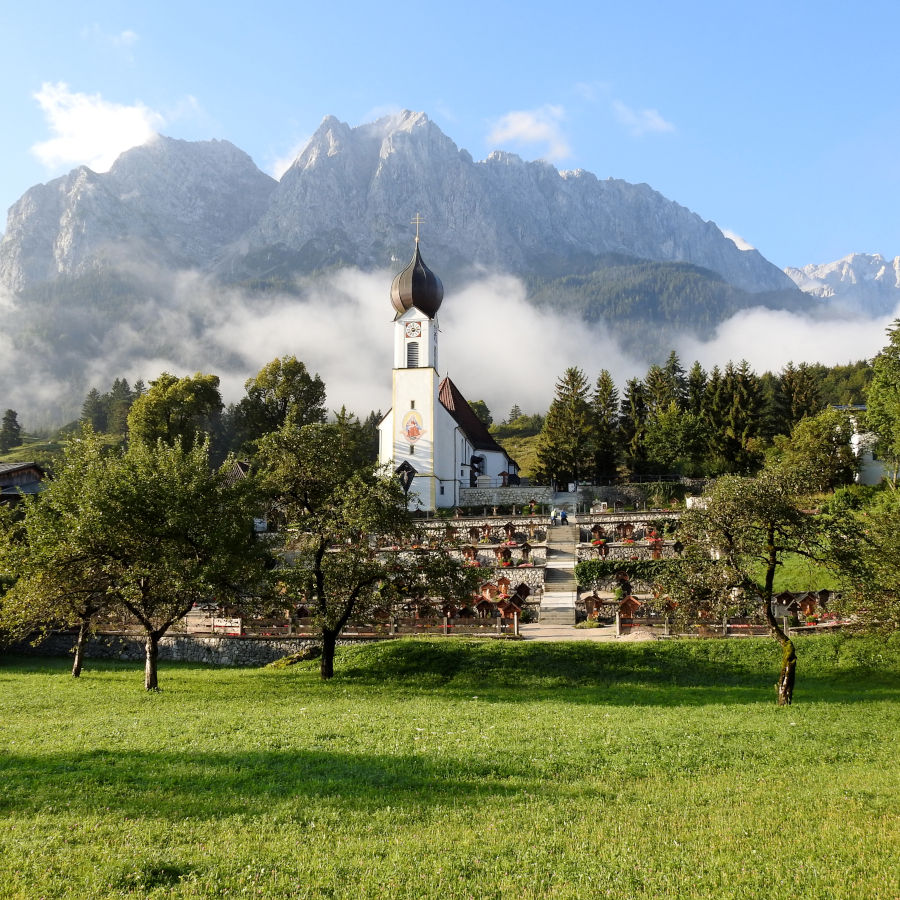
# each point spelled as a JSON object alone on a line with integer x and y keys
{"x": 414, "y": 329}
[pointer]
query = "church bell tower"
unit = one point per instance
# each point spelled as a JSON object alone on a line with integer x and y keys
{"x": 408, "y": 434}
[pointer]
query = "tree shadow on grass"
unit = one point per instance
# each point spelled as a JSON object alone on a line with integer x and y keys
{"x": 665, "y": 673}
{"x": 212, "y": 785}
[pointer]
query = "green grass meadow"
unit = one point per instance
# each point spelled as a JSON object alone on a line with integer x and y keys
{"x": 459, "y": 769}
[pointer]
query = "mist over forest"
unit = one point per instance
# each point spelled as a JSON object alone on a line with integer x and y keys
{"x": 497, "y": 344}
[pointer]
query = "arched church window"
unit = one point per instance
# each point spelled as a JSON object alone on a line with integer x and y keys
{"x": 412, "y": 355}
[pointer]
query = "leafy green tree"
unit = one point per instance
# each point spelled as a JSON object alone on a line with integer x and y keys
{"x": 178, "y": 533}
{"x": 883, "y": 403}
{"x": 867, "y": 556}
{"x": 736, "y": 543}
{"x": 176, "y": 409}
{"x": 514, "y": 414}
{"x": 480, "y": 408}
{"x": 10, "y": 431}
{"x": 338, "y": 512}
{"x": 57, "y": 584}
{"x": 821, "y": 445}
{"x": 564, "y": 451}
{"x": 151, "y": 531}
{"x": 673, "y": 439}
{"x": 605, "y": 427}
{"x": 281, "y": 389}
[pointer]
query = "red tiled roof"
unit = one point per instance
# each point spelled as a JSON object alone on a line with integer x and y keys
{"x": 464, "y": 416}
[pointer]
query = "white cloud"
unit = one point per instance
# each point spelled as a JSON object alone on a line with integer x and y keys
{"x": 121, "y": 40}
{"x": 737, "y": 240}
{"x": 536, "y": 126}
{"x": 89, "y": 130}
{"x": 769, "y": 339}
{"x": 641, "y": 121}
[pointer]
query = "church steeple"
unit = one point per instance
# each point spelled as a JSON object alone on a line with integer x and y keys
{"x": 417, "y": 286}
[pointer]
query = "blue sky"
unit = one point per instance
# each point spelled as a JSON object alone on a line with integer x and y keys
{"x": 779, "y": 121}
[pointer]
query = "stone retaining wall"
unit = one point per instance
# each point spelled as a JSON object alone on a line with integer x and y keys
{"x": 504, "y": 496}
{"x": 217, "y": 650}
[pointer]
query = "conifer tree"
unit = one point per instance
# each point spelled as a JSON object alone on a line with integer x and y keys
{"x": 797, "y": 396}
{"x": 93, "y": 410}
{"x": 696, "y": 389}
{"x": 10, "y": 431}
{"x": 632, "y": 425}
{"x": 119, "y": 401}
{"x": 659, "y": 390}
{"x": 564, "y": 449}
{"x": 677, "y": 378}
{"x": 743, "y": 416}
{"x": 605, "y": 427}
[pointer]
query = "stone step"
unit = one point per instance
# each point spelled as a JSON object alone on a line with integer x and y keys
{"x": 557, "y": 608}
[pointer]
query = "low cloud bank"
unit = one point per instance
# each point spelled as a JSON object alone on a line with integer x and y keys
{"x": 494, "y": 344}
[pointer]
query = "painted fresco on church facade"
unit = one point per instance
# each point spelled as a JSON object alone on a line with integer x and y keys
{"x": 412, "y": 428}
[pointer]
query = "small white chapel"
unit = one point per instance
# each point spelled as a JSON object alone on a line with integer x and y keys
{"x": 431, "y": 437}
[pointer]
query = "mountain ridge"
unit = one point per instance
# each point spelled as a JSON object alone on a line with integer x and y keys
{"x": 347, "y": 199}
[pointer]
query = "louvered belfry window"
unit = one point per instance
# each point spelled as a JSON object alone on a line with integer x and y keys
{"x": 412, "y": 355}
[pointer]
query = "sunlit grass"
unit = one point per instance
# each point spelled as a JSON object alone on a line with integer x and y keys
{"x": 459, "y": 769}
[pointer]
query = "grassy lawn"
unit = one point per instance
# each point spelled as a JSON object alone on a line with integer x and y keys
{"x": 797, "y": 573}
{"x": 455, "y": 768}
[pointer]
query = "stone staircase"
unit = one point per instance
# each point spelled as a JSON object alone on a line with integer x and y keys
{"x": 558, "y": 601}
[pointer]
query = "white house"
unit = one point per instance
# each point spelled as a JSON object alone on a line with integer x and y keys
{"x": 431, "y": 431}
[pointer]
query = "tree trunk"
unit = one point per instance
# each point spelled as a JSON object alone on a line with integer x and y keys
{"x": 329, "y": 642}
{"x": 79, "y": 649}
{"x": 785, "y": 685}
{"x": 151, "y": 683}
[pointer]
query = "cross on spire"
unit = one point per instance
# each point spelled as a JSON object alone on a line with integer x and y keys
{"x": 417, "y": 221}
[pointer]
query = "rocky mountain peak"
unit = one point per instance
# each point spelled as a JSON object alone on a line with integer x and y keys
{"x": 862, "y": 281}
{"x": 348, "y": 199}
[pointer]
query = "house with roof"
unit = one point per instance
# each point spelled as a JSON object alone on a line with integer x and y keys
{"x": 18, "y": 479}
{"x": 431, "y": 435}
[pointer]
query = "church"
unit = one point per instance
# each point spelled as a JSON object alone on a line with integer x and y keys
{"x": 431, "y": 437}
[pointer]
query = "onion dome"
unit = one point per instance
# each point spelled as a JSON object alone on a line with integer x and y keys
{"x": 417, "y": 286}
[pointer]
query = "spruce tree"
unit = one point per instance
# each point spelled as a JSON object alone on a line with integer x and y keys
{"x": 696, "y": 389}
{"x": 119, "y": 401}
{"x": 564, "y": 449}
{"x": 93, "y": 410}
{"x": 605, "y": 427}
{"x": 10, "y": 431}
{"x": 632, "y": 425}
{"x": 797, "y": 396}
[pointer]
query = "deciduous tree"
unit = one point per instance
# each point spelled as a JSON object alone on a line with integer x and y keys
{"x": 883, "y": 403}
{"x": 175, "y": 409}
{"x": 335, "y": 514}
{"x": 151, "y": 531}
{"x": 736, "y": 543}
{"x": 282, "y": 388}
